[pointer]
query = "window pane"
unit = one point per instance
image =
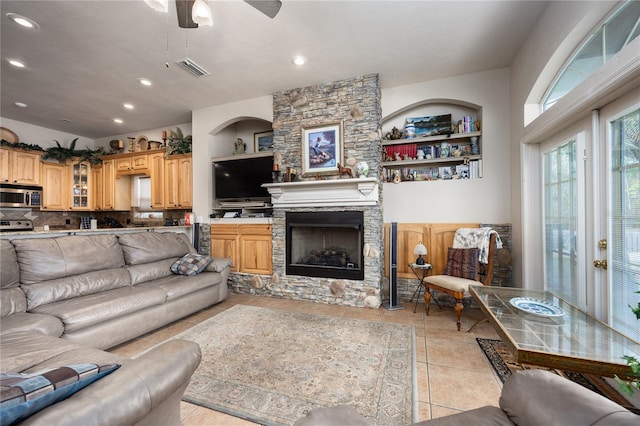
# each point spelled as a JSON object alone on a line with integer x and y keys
{"x": 618, "y": 29}
{"x": 624, "y": 235}
{"x": 560, "y": 222}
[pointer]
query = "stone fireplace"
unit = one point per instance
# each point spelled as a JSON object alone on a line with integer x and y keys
{"x": 355, "y": 103}
{"x": 325, "y": 244}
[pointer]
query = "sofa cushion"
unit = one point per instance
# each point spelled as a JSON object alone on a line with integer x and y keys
{"x": 23, "y": 350}
{"x": 219, "y": 264}
{"x": 176, "y": 286}
{"x": 150, "y": 271}
{"x": 44, "y": 259}
{"x": 9, "y": 271}
{"x": 190, "y": 264}
{"x": 84, "y": 311}
{"x": 23, "y": 395}
{"x": 39, "y": 323}
{"x": 146, "y": 247}
{"x": 51, "y": 291}
{"x": 12, "y": 301}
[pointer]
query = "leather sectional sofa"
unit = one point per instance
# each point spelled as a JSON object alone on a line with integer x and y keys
{"x": 65, "y": 299}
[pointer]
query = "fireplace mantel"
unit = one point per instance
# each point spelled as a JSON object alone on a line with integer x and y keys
{"x": 321, "y": 193}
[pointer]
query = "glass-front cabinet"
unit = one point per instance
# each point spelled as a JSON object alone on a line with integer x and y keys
{"x": 81, "y": 184}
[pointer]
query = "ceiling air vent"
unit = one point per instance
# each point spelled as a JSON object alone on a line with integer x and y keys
{"x": 192, "y": 67}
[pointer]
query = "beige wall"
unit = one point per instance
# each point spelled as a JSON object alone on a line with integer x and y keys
{"x": 556, "y": 35}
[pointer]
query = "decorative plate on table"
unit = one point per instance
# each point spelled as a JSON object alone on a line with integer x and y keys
{"x": 537, "y": 307}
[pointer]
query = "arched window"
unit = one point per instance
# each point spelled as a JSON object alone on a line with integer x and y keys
{"x": 617, "y": 31}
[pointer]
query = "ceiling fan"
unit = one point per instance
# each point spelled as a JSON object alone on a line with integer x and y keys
{"x": 184, "y": 8}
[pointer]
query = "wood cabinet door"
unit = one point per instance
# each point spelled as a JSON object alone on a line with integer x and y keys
{"x": 224, "y": 243}
{"x": 255, "y": 249}
{"x": 185, "y": 197}
{"x": 26, "y": 168}
{"x": 139, "y": 162}
{"x": 55, "y": 188}
{"x": 5, "y": 171}
{"x": 156, "y": 168}
{"x": 171, "y": 177}
{"x": 108, "y": 182}
{"x": 81, "y": 186}
{"x": 98, "y": 187}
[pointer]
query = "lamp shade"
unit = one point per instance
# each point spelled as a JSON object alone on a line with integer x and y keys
{"x": 420, "y": 250}
{"x": 159, "y": 5}
{"x": 201, "y": 14}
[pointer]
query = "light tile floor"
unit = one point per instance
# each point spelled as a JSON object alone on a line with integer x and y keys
{"x": 453, "y": 373}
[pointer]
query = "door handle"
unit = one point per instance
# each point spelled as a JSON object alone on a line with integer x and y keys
{"x": 600, "y": 263}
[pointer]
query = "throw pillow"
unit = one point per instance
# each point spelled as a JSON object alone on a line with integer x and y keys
{"x": 190, "y": 264}
{"x": 22, "y": 395}
{"x": 462, "y": 263}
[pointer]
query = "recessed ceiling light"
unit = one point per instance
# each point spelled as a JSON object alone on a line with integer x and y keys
{"x": 20, "y": 104}
{"x": 299, "y": 60}
{"x": 128, "y": 105}
{"x": 144, "y": 81}
{"x": 118, "y": 120}
{"x": 64, "y": 120}
{"x": 16, "y": 63}
{"x": 24, "y": 21}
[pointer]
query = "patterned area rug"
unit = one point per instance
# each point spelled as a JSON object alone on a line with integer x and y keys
{"x": 272, "y": 367}
{"x": 502, "y": 361}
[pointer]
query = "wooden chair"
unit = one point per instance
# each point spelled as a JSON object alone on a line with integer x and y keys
{"x": 456, "y": 286}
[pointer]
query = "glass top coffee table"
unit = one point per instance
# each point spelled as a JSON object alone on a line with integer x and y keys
{"x": 542, "y": 329}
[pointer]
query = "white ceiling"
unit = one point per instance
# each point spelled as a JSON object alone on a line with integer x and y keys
{"x": 84, "y": 61}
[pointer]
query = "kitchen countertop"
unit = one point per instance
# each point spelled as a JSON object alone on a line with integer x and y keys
{"x": 39, "y": 232}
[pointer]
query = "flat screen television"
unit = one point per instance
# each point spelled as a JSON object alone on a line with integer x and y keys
{"x": 241, "y": 179}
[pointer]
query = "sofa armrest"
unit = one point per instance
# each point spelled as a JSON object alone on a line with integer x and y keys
{"x": 218, "y": 264}
{"x": 535, "y": 397}
{"x": 127, "y": 395}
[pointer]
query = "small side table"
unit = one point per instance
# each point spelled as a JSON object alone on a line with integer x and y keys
{"x": 420, "y": 271}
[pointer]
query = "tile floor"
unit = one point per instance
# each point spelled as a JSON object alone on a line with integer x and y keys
{"x": 453, "y": 373}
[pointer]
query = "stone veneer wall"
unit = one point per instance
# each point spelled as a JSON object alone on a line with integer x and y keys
{"x": 356, "y": 103}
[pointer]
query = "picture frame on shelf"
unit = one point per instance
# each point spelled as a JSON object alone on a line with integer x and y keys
{"x": 263, "y": 141}
{"x": 321, "y": 148}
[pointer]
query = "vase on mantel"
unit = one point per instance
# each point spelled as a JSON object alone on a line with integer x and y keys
{"x": 362, "y": 169}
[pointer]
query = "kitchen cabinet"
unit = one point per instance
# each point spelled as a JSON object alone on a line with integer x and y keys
{"x": 98, "y": 187}
{"x": 132, "y": 164}
{"x": 156, "y": 171}
{"x": 249, "y": 246}
{"x": 20, "y": 166}
{"x": 81, "y": 186}
{"x": 178, "y": 181}
{"x": 55, "y": 194}
{"x": 116, "y": 193}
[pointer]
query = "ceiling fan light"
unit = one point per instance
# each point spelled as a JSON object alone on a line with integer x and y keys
{"x": 201, "y": 14}
{"x": 158, "y": 5}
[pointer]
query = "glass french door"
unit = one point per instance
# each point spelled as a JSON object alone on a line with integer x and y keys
{"x": 621, "y": 214}
{"x": 591, "y": 214}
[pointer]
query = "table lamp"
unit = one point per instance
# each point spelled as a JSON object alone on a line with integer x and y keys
{"x": 420, "y": 250}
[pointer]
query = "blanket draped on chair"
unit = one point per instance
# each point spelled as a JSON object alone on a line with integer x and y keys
{"x": 476, "y": 237}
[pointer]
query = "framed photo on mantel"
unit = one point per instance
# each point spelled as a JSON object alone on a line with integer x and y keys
{"x": 263, "y": 141}
{"x": 321, "y": 149}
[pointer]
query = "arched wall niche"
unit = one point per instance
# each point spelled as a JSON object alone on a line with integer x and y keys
{"x": 428, "y": 107}
{"x": 241, "y": 127}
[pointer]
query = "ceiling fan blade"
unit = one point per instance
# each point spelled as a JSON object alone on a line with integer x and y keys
{"x": 183, "y": 7}
{"x": 268, "y": 7}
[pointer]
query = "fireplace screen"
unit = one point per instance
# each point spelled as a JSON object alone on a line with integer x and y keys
{"x": 325, "y": 244}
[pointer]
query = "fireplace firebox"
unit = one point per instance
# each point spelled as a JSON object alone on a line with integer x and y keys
{"x": 325, "y": 244}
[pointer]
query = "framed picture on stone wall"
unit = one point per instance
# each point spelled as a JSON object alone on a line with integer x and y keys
{"x": 321, "y": 149}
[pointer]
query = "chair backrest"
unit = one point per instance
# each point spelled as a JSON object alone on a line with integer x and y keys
{"x": 485, "y": 272}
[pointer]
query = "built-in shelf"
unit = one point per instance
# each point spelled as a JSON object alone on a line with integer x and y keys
{"x": 324, "y": 193}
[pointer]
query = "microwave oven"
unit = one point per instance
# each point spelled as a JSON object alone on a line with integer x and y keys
{"x": 20, "y": 196}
